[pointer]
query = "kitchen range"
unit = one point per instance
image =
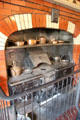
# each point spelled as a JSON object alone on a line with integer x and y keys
{"x": 35, "y": 62}
{"x": 39, "y": 59}
{"x": 40, "y": 72}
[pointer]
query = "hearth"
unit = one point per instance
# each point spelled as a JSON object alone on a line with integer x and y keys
{"x": 38, "y": 76}
{"x": 34, "y": 65}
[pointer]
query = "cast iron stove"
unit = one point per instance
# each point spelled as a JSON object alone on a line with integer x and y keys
{"x": 38, "y": 76}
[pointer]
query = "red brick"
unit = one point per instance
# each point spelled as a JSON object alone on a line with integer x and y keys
{"x": 13, "y": 24}
{"x": 2, "y": 62}
{"x": 63, "y": 24}
{"x": 2, "y": 17}
{"x": 2, "y": 58}
{"x": 2, "y": 69}
{"x": 28, "y": 10}
{"x": 36, "y": 6}
{"x": 76, "y": 52}
{"x": 41, "y": 20}
{"x": 3, "y": 72}
{"x": 7, "y": 6}
{"x": 7, "y": 0}
{"x": 7, "y": 20}
{"x": 3, "y": 30}
{"x": 77, "y": 31}
{"x": 19, "y": 2}
{"x": 2, "y": 53}
{"x": 1, "y": 5}
{"x": 5, "y": 26}
{"x": 11, "y": 7}
{"x": 34, "y": 20}
{"x": 37, "y": 20}
{"x": 3, "y": 77}
{"x": 16, "y": 8}
{"x": 15, "y": 12}
{"x": 4, "y": 87}
{"x": 5, "y": 11}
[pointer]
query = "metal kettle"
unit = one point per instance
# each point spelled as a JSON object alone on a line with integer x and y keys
{"x": 57, "y": 59}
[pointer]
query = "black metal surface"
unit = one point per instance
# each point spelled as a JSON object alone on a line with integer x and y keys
{"x": 22, "y": 83}
{"x": 36, "y": 88}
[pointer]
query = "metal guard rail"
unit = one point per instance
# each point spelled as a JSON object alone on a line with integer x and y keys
{"x": 13, "y": 98}
{"x": 9, "y": 98}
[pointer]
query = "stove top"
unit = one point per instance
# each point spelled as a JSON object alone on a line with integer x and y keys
{"x": 60, "y": 65}
{"x": 43, "y": 70}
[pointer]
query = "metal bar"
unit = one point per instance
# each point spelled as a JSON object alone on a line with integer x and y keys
{"x": 8, "y": 98}
{"x": 7, "y": 110}
{"x": 52, "y": 102}
{"x": 56, "y": 94}
{"x": 62, "y": 90}
{"x": 77, "y": 97}
{"x": 27, "y": 80}
{"x": 4, "y": 110}
{"x": 46, "y": 103}
{"x": 32, "y": 105}
{"x": 2, "y": 115}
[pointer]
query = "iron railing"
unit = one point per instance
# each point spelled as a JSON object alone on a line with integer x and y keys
{"x": 43, "y": 102}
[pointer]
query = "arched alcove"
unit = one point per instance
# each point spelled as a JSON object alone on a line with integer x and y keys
{"x": 27, "y": 21}
{"x": 13, "y": 51}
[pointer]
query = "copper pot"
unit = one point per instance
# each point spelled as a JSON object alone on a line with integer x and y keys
{"x": 53, "y": 41}
{"x": 31, "y": 41}
{"x": 65, "y": 62}
{"x": 42, "y": 40}
{"x": 57, "y": 59}
{"x": 60, "y": 41}
{"x": 19, "y": 43}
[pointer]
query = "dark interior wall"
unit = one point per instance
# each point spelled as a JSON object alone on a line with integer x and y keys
{"x": 37, "y": 32}
{"x": 20, "y": 55}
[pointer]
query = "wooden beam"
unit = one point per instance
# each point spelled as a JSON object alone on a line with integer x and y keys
{"x": 66, "y": 4}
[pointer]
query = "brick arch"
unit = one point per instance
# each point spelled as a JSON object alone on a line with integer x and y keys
{"x": 26, "y": 21}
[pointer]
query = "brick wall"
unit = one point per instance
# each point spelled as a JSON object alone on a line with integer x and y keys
{"x": 35, "y": 14}
{"x": 25, "y": 21}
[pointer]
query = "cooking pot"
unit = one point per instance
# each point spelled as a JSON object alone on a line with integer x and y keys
{"x": 60, "y": 41}
{"x": 31, "y": 41}
{"x": 53, "y": 41}
{"x": 19, "y": 43}
{"x": 65, "y": 61}
{"x": 57, "y": 59}
{"x": 42, "y": 40}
